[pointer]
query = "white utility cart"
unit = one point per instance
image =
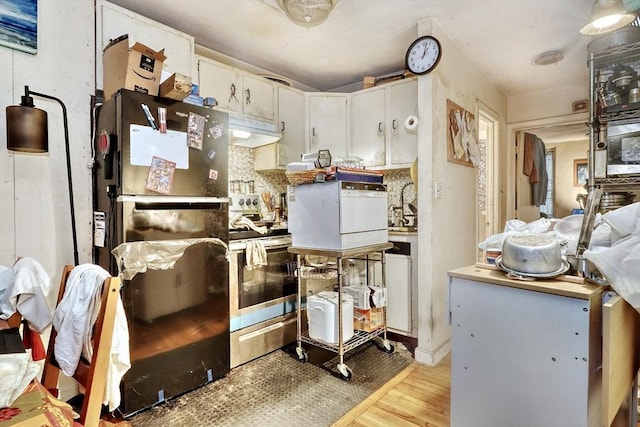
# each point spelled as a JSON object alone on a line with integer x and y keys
{"x": 360, "y": 337}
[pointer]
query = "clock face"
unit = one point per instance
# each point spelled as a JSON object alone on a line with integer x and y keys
{"x": 423, "y": 55}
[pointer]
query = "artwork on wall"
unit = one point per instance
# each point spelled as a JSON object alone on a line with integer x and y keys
{"x": 580, "y": 172}
{"x": 462, "y": 136}
{"x": 19, "y": 25}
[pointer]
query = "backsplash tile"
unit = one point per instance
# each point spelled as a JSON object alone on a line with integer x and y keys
{"x": 241, "y": 160}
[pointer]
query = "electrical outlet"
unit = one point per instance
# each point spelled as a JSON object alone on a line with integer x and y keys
{"x": 437, "y": 190}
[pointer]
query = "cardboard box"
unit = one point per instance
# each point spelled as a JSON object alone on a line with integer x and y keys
{"x": 368, "y": 320}
{"x": 366, "y": 297}
{"x": 177, "y": 86}
{"x": 136, "y": 68}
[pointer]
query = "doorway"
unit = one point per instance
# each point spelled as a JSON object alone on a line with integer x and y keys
{"x": 569, "y": 136}
{"x": 488, "y": 170}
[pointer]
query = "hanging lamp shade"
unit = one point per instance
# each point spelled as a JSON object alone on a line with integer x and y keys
{"x": 307, "y": 13}
{"x": 607, "y": 16}
{"x": 27, "y": 127}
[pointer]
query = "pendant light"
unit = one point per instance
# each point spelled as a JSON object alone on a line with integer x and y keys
{"x": 607, "y": 16}
{"x": 27, "y": 132}
{"x": 307, "y": 13}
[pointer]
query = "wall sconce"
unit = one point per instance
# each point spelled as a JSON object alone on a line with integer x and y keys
{"x": 27, "y": 132}
{"x": 307, "y": 13}
{"x": 607, "y": 16}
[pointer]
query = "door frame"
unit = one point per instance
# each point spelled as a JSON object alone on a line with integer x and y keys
{"x": 512, "y": 130}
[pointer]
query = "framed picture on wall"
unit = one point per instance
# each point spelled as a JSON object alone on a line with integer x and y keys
{"x": 462, "y": 136}
{"x": 580, "y": 172}
{"x": 19, "y": 25}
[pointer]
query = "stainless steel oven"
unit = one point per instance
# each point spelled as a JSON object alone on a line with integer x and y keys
{"x": 262, "y": 298}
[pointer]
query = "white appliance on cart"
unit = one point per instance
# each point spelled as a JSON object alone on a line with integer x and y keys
{"x": 338, "y": 215}
{"x": 340, "y": 220}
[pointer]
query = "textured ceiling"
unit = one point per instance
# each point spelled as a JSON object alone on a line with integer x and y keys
{"x": 370, "y": 37}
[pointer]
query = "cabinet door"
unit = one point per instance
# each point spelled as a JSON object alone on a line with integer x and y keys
{"x": 531, "y": 349}
{"x": 398, "y": 283}
{"x": 328, "y": 124}
{"x": 368, "y": 139}
{"x": 258, "y": 98}
{"x": 113, "y": 21}
{"x": 221, "y": 82}
{"x": 402, "y": 100}
{"x": 291, "y": 125}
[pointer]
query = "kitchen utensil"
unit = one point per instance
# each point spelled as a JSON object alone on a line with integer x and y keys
{"x": 532, "y": 254}
{"x": 593, "y": 201}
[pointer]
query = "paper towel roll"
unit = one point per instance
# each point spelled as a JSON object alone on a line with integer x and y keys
{"x": 411, "y": 123}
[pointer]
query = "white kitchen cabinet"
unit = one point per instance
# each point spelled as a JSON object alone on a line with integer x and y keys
{"x": 327, "y": 123}
{"x": 291, "y": 125}
{"x": 237, "y": 91}
{"x": 401, "y": 278}
{"x": 368, "y": 126}
{"x": 113, "y": 21}
{"x": 378, "y": 135}
{"x": 259, "y": 97}
{"x": 401, "y": 102}
{"x": 531, "y": 353}
{"x": 398, "y": 271}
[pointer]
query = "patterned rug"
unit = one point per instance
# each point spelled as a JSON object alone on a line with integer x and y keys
{"x": 278, "y": 390}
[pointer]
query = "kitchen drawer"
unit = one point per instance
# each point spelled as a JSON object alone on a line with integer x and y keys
{"x": 257, "y": 340}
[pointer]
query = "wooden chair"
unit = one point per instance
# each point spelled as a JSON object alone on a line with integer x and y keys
{"x": 91, "y": 375}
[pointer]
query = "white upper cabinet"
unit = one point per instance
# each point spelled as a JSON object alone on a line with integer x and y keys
{"x": 402, "y": 102}
{"x": 378, "y": 134}
{"x": 237, "y": 91}
{"x": 290, "y": 124}
{"x": 327, "y": 129}
{"x": 368, "y": 126}
{"x": 113, "y": 21}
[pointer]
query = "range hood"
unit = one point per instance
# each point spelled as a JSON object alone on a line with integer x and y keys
{"x": 251, "y": 133}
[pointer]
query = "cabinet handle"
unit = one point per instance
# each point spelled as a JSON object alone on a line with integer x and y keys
{"x": 247, "y": 96}
{"x": 394, "y": 125}
{"x": 282, "y": 127}
{"x": 232, "y": 92}
{"x": 380, "y": 127}
{"x": 313, "y": 131}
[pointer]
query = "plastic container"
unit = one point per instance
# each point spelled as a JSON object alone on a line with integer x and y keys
{"x": 322, "y": 313}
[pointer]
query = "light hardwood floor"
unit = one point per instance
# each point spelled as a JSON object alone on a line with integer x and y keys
{"x": 418, "y": 396}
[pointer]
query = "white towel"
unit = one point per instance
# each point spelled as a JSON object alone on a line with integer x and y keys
{"x": 255, "y": 254}
{"x": 26, "y": 290}
{"x": 74, "y": 318}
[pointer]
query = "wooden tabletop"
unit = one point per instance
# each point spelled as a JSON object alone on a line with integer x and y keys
{"x": 569, "y": 286}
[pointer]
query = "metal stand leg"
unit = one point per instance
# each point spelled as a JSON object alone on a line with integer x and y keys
{"x": 302, "y": 355}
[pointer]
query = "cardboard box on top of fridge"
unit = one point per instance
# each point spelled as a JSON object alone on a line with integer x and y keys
{"x": 137, "y": 68}
{"x": 366, "y": 297}
{"x": 177, "y": 86}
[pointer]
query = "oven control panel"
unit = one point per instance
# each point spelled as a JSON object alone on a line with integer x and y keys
{"x": 244, "y": 203}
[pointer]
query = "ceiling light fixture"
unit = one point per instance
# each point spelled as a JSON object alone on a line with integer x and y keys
{"x": 607, "y": 16}
{"x": 548, "y": 58}
{"x": 307, "y": 13}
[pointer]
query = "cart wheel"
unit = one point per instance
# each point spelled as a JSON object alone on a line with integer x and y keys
{"x": 302, "y": 355}
{"x": 345, "y": 371}
{"x": 386, "y": 346}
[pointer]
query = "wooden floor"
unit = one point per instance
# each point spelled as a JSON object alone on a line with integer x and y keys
{"x": 418, "y": 396}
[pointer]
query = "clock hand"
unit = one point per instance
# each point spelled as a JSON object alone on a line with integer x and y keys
{"x": 425, "y": 51}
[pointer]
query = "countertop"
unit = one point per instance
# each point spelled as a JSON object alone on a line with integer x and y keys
{"x": 569, "y": 286}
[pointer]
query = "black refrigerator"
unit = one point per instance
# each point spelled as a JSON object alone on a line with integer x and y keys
{"x": 161, "y": 177}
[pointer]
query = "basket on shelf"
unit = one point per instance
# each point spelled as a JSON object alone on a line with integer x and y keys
{"x": 304, "y": 176}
